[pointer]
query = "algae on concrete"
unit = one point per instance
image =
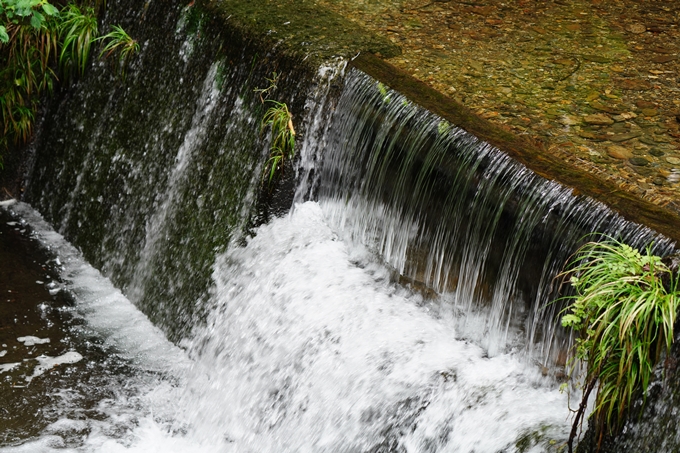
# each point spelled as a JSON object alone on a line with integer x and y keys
{"x": 303, "y": 27}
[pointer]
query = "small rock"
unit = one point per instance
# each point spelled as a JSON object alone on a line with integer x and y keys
{"x": 656, "y": 152}
{"x": 593, "y": 136}
{"x": 673, "y": 160}
{"x": 624, "y": 137}
{"x": 644, "y": 104}
{"x": 619, "y": 152}
{"x": 634, "y": 84}
{"x": 639, "y": 161}
{"x": 650, "y": 112}
{"x": 636, "y": 28}
{"x": 624, "y": 116}
{"x": 613, "y": 109}
{"x": 664, "y": 59}
{"x": 599, "y": 119}
{"x": 596, "y": 58}
{"x": 665, "y": 50}
{"x": 659, "y": 181}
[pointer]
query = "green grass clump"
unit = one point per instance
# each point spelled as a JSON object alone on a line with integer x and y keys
{"x": 624, "y": 309}
{"x": 77, "y": 32}
{"x": 283, "y": 136}
{"x": 117, "y": 40}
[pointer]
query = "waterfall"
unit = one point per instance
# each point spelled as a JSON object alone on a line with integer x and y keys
{"x": 451, "y": 213}
{"x": 390, "y": 292}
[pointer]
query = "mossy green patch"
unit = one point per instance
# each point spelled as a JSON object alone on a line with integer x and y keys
{"x": 302, "y": 27}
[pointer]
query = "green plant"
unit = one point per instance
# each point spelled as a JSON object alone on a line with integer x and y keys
{"x": 24, "y": 12}
{"x": 384, "y": 93}
{"x": 265, "y": 92}
{"x": 36, "y": 39}
{"x": 283, "y": 136}
{"x": 77, "y": 32}
{"x": 624, "y": 309}
{"x": 118, "y": 40}
{"x": 29, "y": 45}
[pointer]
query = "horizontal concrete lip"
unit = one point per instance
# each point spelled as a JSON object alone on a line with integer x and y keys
{"x": 530, "y": 154}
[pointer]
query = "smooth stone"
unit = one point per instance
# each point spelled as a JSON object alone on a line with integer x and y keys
{"x": 639, "y": 161}
{"x": 624, "y": 137}
{"x": 636, "y": 28}
{"x": 634, "y": 84}
{"x": 664, "y": 59}
{"x": 673, "y": 160}
{"x": 619, "y": 152}
{"x": 645, "y": 104}
{"x": 599, "y": 119}
{"x": 656, "y": 152}
{"x": 650, "y": 112}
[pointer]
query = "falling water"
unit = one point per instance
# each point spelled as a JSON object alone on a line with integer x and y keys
{"x": 451, "y": 213}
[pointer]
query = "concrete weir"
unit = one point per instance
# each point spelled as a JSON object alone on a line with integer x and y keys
{"x": 157, "y": 180}
{"x": 310, "y": 30}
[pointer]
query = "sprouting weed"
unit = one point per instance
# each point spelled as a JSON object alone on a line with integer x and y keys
{"x": 117, "y": 40}
{"x": 384, "y": 93}
{"x": 279, "y": 118}
{"x": 265, "y": 92}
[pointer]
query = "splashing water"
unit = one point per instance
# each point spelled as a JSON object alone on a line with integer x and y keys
{"x": 308, "y": 347}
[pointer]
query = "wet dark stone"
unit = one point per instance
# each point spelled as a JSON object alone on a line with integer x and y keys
{"x": 656, "y": 152}
{"x": 638, "y": 161}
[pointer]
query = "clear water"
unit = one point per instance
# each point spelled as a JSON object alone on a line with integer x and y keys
{"x": 309, "y": 346}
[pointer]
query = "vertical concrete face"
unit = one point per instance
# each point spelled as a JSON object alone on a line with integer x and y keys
{"x": 150, "y": 175}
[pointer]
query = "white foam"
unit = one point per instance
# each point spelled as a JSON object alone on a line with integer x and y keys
{"x": 4, "y": 367}
{"x": 46, "y": 363}
{"x": 32, "y": 341}
{"x": 308, "y": 347}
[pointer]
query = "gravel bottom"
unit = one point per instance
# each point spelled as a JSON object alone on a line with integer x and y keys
{"x": 596, "y": 81}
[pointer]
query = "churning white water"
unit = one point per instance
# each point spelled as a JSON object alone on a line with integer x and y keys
{"x": 308, "y": 347}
